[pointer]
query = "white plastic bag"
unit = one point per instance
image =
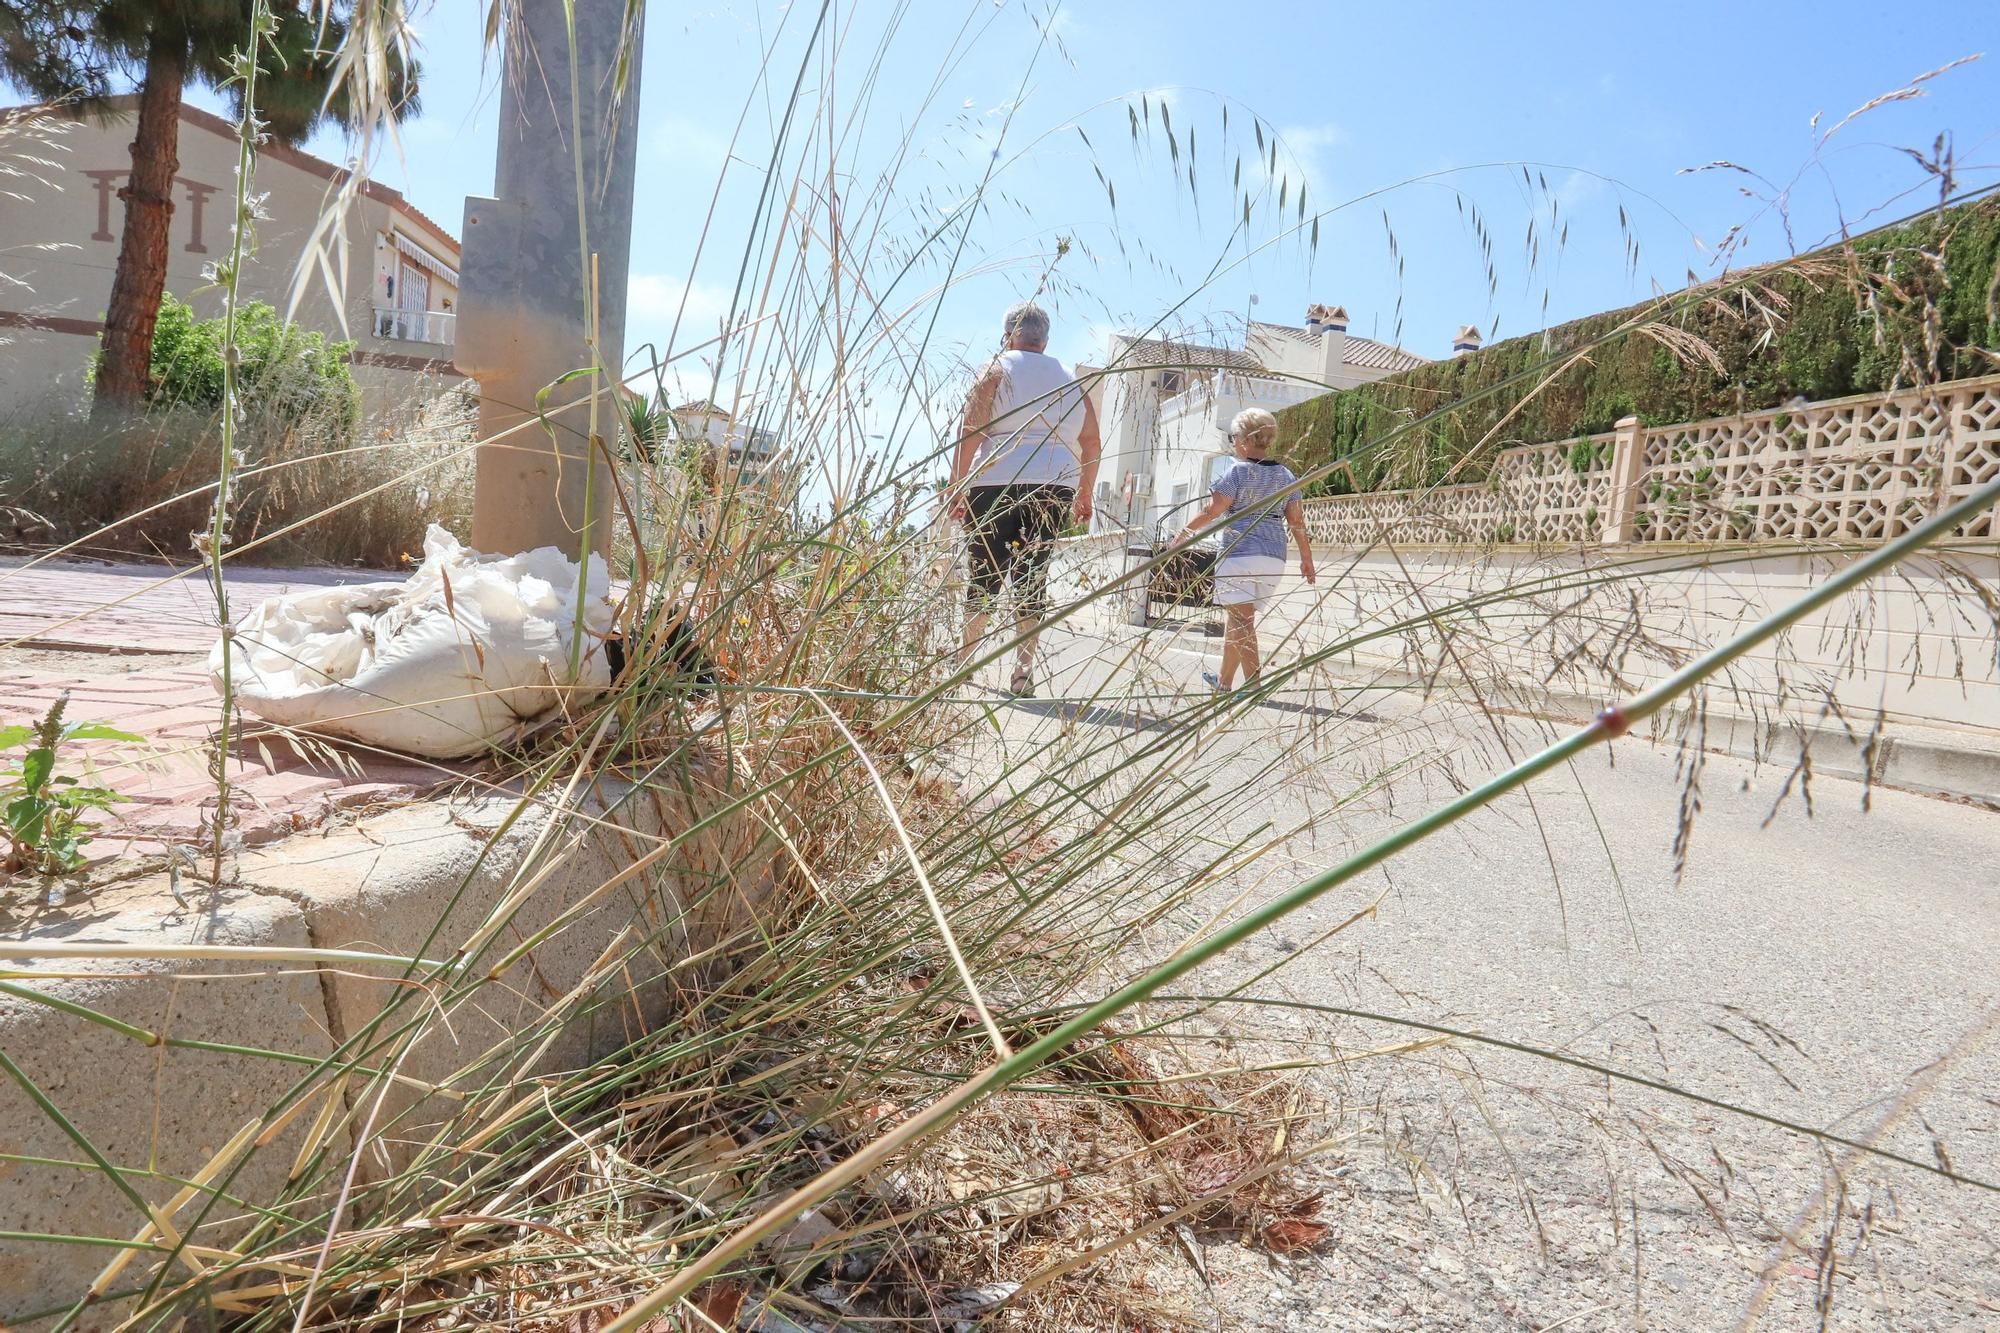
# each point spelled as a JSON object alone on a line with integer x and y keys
{"x": 469, "y": 651}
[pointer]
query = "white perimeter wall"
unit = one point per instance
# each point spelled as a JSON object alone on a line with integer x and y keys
{"x": 1591, "y": 626}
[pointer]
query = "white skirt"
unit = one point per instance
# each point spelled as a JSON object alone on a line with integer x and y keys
{"x": 1248, "y": 580}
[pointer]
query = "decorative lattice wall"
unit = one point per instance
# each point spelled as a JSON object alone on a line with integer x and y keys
{"x": 1853, "y": 469}
{"x": 1536, "y": 493}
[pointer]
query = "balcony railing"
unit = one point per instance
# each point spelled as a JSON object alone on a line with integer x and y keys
{"x": 1226, "y": 393}
{"x": 416, "y": 326}
{"x": 1264, "y": 390}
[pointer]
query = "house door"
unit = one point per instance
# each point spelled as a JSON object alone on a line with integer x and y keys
{"x": 413, "y": 294}
{"x": 413, "y": 289}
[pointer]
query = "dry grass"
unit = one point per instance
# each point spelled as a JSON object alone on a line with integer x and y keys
{"x": 145, "y": 489}
{"x": 836, "y": 1015}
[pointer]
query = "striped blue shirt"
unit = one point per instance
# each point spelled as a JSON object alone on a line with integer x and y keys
{"x": 1255, "y": 528}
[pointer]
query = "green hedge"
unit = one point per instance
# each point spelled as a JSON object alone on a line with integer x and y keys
{"x": 287, "y": 371}
{"x": 1916, "y": 298}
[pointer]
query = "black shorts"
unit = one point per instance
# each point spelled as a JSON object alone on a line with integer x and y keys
{"x": 1013, "y": 528}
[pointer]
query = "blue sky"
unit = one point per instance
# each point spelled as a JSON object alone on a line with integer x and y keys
{"x": 1609, "y": 102}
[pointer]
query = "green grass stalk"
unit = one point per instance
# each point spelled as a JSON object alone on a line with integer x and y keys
{"x": 240, "y": 234}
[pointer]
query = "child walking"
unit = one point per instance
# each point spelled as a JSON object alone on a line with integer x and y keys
{"x": 1252, "y": 560}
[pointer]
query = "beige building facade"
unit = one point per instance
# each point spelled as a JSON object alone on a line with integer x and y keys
{"x": 1164, "y": 407}
{"x": 748, "y": 446}
{"x": 61, "y": 221}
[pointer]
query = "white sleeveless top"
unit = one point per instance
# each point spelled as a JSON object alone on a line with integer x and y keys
{"x": 1037, "y": 418}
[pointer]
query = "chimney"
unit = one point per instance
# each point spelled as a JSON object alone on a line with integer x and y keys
{"x": 1467, "y": 340}
{"x": 1329, "y": 324}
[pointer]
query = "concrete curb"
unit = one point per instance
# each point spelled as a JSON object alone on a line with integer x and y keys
{"x": 164, "y": 1113}
{"x": 1928, "y": 760}
{"x": 1933, "y": 761}
{"x": 1925, "y": 760}
{"x": 152, "y": 1109}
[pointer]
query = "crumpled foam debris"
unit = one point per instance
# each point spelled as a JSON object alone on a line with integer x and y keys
{"x": 468, "y": 652}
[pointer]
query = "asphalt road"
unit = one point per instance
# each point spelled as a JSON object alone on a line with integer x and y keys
{"x": 1837, "y": 966}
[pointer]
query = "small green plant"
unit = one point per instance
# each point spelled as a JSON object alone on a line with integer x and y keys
{"x": 647, "y": 427}
{"x": 44, "y": 810}
{"x": 1582, "y": 457}
{"x": 284, "y": 370}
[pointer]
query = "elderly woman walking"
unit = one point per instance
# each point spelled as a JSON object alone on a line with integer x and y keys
{"x": 1252, "y": 558}
{"x": 1023, "y": 470}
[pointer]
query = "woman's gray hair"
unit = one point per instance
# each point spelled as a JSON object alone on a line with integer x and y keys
{"x": 1028, "y": 320}
{"x": 1257, "y": 427}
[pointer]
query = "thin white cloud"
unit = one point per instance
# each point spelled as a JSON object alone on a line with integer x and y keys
{"x": 1308, "y": 139}
{"x": 657, "y": 298}
{"x": 1168, "y": 97}
{"x": 1312, "y": 150}
{"x": 652, "y": 303}
{"x": 1578, "y": 188}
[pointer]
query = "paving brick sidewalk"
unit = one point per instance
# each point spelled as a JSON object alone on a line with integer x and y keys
{"x": 279, "y": 787}
{"x": 138, "y": 608}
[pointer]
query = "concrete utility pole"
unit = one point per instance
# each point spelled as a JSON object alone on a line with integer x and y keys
{"x": 523, "y": 313}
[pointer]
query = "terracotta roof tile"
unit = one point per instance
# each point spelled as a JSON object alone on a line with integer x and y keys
{"x": 1364, "y": 352}
{"x": 1381, "y": 356}
{"x": 1165, "y": 352}
{"x": 1291, "y": 331}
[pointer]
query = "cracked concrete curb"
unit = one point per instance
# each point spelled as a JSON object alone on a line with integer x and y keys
{"x": 162, "y": 1113}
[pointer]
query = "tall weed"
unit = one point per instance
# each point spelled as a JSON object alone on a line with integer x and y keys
{"x": 142, "y": 490}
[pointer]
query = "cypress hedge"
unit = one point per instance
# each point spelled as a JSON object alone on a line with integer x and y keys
{"x": 1894, "y": 307}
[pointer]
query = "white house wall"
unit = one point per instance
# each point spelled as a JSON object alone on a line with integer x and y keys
{"x": 1126, "y": 424}
{"x": 1194, "y": 435}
